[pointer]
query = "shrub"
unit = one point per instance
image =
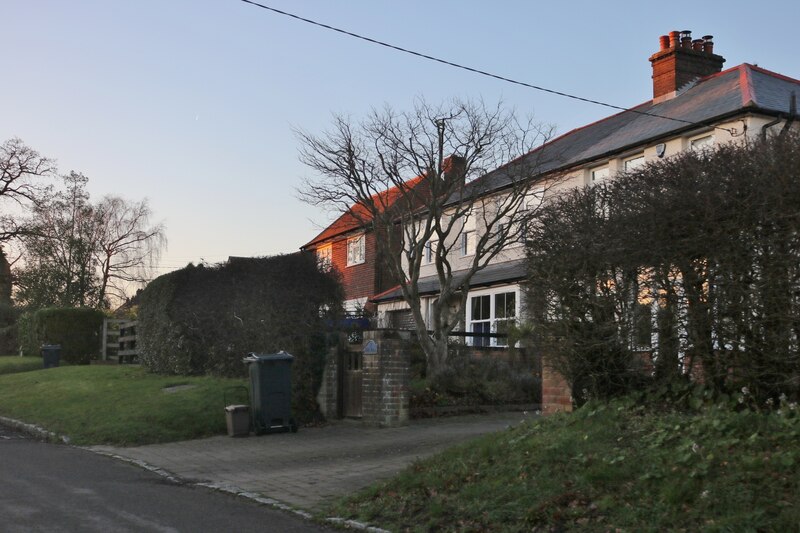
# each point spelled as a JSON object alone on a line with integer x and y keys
{"x": 9, "y": 342}
{"x": 204, "y": 320}
{"x": 77, "y": 330}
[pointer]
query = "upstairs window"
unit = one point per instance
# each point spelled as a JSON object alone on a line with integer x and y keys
{"x": 599, "y": 174}
{"x": 467, "y": 238}
{"x": 430, "y": 252}
{"x": 702, "y": 143}
{"x": 325, "y": 257}
{"x": 634, "y": 162}
{"x": 355, "y": 250}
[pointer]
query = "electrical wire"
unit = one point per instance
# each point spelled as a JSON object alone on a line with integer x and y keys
{"x": 478, "y": 71}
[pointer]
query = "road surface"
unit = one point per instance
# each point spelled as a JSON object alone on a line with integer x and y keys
{"x": 51, "y": 487}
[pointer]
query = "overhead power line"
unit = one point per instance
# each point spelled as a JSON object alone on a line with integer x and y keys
{"x": 474, "y": 70}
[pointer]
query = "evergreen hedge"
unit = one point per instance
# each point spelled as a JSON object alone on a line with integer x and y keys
{"x": 77, "y": 330}
{"x": 205, "y": 319}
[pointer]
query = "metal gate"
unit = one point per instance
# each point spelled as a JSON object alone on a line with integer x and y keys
{"x": 352, "y": 384}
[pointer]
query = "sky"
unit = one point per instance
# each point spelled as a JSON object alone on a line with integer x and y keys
{"x": 194, "y": 104}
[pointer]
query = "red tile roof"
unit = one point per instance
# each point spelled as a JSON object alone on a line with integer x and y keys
{"x": 358, "y": 216}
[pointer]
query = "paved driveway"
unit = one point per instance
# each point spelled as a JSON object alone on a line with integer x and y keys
{"x": 308, "y": 469}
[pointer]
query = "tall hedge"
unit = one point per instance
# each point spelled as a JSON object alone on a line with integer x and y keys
{"x": 693, "y": 261}
{"x": 9, "y": 342}
{"x": 77, "y": 330}
{"x": 204, "y": 320}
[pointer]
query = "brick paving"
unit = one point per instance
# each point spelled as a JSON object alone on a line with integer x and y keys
{"x": 310, "y": 468}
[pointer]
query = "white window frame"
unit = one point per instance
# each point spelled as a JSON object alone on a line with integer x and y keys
{"x": 467, "y": 237}
{"x": 598, "y": 174}
{"x": 356, "y": 250}
{"x": 703, "y": 142}
{"x": 429, "y": 252}
{"x": 325, "y": 257}
{"x": 492, "y": 320}
{"x": 632, "y": 163}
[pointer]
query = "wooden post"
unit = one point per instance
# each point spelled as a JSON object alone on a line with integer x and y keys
{"x": 104, "y": 349}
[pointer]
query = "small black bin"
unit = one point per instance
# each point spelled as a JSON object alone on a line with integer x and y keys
{"x": 51, "y": 355}
{"x": 271, "y": 392}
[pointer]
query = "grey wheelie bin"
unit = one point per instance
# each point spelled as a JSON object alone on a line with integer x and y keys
{"x": 51, "y": 355}
{"x": 271, "y": 392}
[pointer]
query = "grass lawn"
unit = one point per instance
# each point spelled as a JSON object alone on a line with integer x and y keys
{"x": 604, "y": 468}
{"x": 122, "y": 405}
{"x": 11, "y": 364}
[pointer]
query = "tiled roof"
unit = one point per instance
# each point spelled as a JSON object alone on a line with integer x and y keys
{"x": 358, "y": 216}
{"x": 736, "y": 90}
{"x": 500, "y": 272}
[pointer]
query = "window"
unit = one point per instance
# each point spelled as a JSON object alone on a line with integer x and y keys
{"x": 467, "y": 237}
{"x": 355, "y": 250}
{"x": 702, "y": 143}
{"x": 430, "y": 252}
{"x": 324, "y": 257}
{"x": 599, "y": 174}
{"x": 492, "y": 312}
{"x": 634, "y": 162}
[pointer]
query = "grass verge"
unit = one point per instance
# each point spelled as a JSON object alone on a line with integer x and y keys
{"x": 11, "y": 364}
{"x": 120, "y": 405}
{"x": 604, "y": 468}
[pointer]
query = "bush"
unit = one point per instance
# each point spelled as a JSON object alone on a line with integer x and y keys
{"x": 77, "y": 330}
{"x": 692, "y": 260}
{"x": 9, "y": 342}
{"x": 486, "y": 380}
{"x": 204, "y": 320}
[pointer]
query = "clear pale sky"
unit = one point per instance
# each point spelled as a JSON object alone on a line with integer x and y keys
{"x": 193, "y": 103}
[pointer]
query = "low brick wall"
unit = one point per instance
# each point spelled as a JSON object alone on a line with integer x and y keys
{"x": 556, "y": 393}
{"x": 386, "y": 378}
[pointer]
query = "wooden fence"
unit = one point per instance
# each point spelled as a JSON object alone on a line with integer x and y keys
{"x": 119, "y": 341}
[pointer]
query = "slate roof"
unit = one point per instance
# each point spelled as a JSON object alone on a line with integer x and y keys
{"x": 500, "y": 272}
{"x": 741, "y": 89}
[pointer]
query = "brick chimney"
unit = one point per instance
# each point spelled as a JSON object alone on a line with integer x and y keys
{"x": 680, "y": 61}
{"x": 454, "y": 168}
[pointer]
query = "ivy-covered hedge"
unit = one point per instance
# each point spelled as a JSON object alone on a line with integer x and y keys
{"x": 204, "y": 320}
{"x": 77, "y": 330}
{"x": 9, "y": 343}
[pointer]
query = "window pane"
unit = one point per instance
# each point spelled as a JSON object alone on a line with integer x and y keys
{"x": 481, "y": 327}
{"x": 635, "y": 162}
{"x": 480, "y": 308}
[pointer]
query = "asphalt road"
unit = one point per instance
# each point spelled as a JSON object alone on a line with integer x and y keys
{"x": 50, "y": 487}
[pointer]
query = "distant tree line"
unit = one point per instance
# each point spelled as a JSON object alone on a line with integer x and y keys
{"x": 687, "y": 266}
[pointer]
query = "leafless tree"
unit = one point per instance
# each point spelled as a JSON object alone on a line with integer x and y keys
{"x": 127, "y": 245}
{"x": 417, "y": 179}
{"x": 77, "y": 253}
{"x": 20, "y": 185}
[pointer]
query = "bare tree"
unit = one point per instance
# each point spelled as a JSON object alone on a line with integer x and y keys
{"x": 447, "y": 167}
{"x": 127, "y": 245}
{"x": 20, "y": 170}
{"x": 77, "y": 253}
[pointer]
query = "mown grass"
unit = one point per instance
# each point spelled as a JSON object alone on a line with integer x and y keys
{"x": 604, "y": 468}
{"x": 11, "y": 364}
{"x": 120, "y": 405}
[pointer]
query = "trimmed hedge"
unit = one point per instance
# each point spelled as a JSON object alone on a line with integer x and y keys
{"x": 77, "y": 330}
{"x": 9, "y": 343}
{"x": 204, "y": 320}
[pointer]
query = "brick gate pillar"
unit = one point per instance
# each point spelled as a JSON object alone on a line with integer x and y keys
{"x": 386, "y": 375}
{"x": 556, "y": 393}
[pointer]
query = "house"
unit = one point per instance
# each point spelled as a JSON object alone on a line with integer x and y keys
{"x": 695, "y": 103}
{"x": 348, "y": 245}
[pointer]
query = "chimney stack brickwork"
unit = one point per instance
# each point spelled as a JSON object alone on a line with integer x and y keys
{"x": 681, "y": 60}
